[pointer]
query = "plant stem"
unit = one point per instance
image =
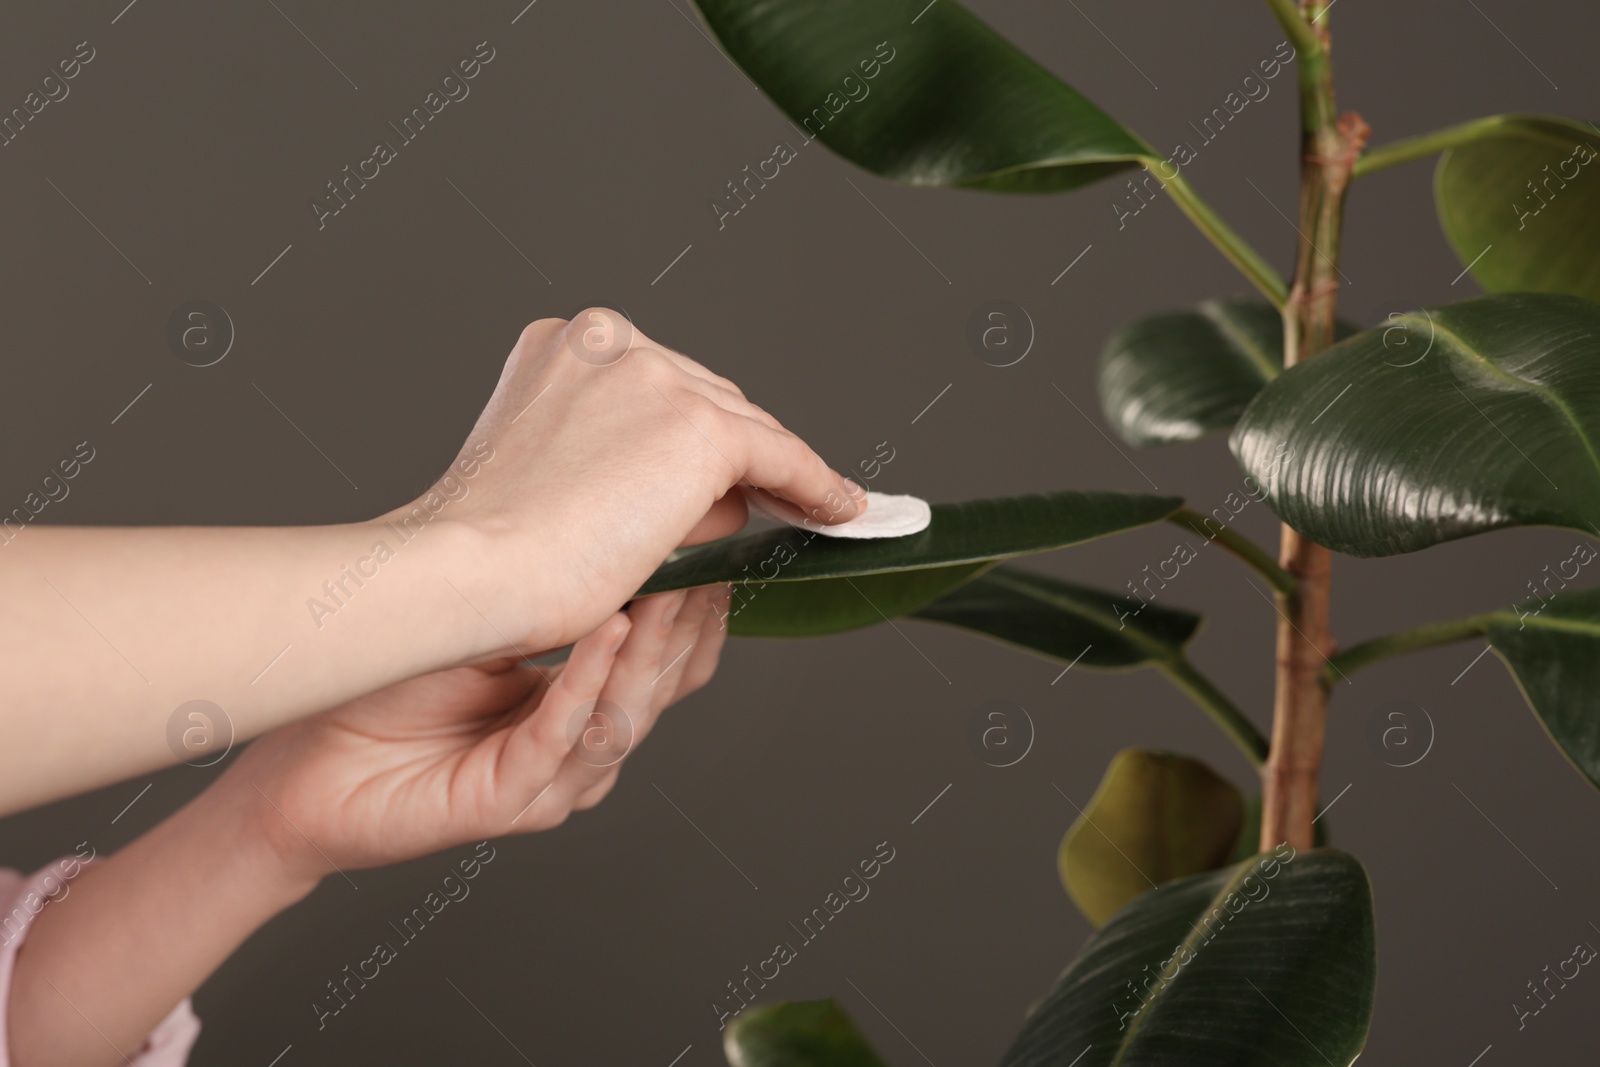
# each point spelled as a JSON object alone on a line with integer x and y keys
{"x": 1256, "y": 557}
{"x": 1427, "y": 144}
{"x": 1250, "y": 263}
{"x": 1329, "y": 145}
{"x": 1301, "y": 35}
{"x": 1412, "y": 640}
{"x": 1181, "y": 673}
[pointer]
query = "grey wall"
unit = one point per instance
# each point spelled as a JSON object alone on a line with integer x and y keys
{"x": 596, "y": 141}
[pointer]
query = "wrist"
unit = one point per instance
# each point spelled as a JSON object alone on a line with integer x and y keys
{"x": 232, "y": 822}
{"x": 472, "y": 579}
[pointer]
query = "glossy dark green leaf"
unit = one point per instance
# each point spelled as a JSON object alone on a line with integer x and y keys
{"x": 808, "y": 1033}
{"x": 1270, "y": 963}
{"x": 1156, "y": 816}
{"x": 833, "y": 605}
{"x": 1553, "y": 651}
{"x": 973, "y": 531}
{"x": 1067, "y": 622}
{"x": 1522, "y": 206}
{"x": 1448, "y": 422}
{"x": 1180, "y": 375}
{"x": 921, "y": 93}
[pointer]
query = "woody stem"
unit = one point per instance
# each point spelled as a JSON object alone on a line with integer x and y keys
{"x": 1329, "y": 145}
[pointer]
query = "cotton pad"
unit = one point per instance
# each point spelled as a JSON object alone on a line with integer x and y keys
{"x": 887, "y": 515}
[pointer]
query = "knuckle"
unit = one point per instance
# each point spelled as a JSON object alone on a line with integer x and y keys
{"x": 541, "y": 334}
{"x": 598, "y": 311}
{"x": 647, "y": 365}
{"x": 703, "y": 412}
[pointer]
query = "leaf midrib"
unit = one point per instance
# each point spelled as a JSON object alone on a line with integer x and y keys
{"x": 1219, "y": 315}
{"x": 1555, "y": 622}
{"x": 1188, "y": 942}
{"x": 1543, "y": 392}
{"x": 1154, "y": 650}
{"x": 1536, "y": 131}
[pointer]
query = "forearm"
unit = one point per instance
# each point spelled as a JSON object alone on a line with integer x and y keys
{"x": 108, "y": 631}
{"x": 140, "y": 931}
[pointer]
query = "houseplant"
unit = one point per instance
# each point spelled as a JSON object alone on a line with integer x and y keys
{"x": 1257, "y": 946}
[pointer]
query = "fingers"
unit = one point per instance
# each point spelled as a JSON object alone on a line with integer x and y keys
{"x": 625, "y": 706}
{"x": 701, "y": 632}
{"x": 700, "y": 664}
{"x": 694, "y": 648}
{"x": 782, "y": 464}
{"x": 537, "y": 748}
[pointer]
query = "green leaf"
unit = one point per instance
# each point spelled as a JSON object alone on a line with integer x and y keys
{"x": 1269, "y": 963}
{"x": 1076, "y": 625}
{"x": 1553, "y": 652}
{"x": 1449, "y": 422}
{"x": 1156, "y": 816}
{"x": 1070, "y": 623}
{"x": 1180, "y": 375}
{"x": 833, "y": 605}
{"x": 790, "y": 582}
{"x": 1529, "y": 194}
{"x": 921, "y": 93}
{"x": 808, "y": 1033}
{"x": 974, "y": 531}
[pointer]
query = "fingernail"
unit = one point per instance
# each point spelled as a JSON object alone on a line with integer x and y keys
{"x": 854, "y": 488}
{"x": 725, "y": 594}
{"x": 627, "y": 626}
{"x": 674, "y": 606}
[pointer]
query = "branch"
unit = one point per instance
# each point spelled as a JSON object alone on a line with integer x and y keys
{"x": 1250, "y": 262}
{"x": 1254, "y": 556}
{"x": 1181, "y": 673}
{"x": 1427, "y": 144}
{"x": 1301, "y": 33}
{"x": 1412, "y": 640}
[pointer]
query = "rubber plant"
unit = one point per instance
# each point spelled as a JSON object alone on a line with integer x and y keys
{"x": 1226, "y": 933}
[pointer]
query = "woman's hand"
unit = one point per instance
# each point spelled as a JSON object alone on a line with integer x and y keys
{"x": 599, "y": 453}
{"x": 442, "y": 759}
{"x": 474, "y": 752}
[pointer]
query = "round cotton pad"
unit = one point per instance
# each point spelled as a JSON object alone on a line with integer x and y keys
{"x": 887, "y": 515}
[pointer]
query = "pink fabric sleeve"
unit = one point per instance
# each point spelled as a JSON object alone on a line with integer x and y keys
{"x": 21, "y": 899}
